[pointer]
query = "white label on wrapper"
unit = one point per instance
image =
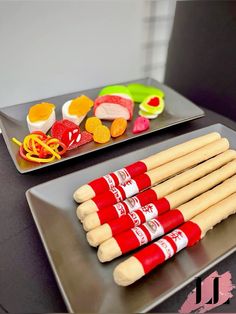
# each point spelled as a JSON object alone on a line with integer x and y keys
{"x": 166, "y": 248}
{"x": 140, "y": 235}
{"x": 109, "y": 180}
{"x": 116, "y": 194}
{"x": 180, "y": 239}
{"x": 120, "y": 209}
{"x": 135, "y": 218}
{"x": 150, "y": 211}
{"x": 122, "y": 175}
{"x": 132, "y": 203}
{"x": 130, "y": 188}
{"x": 154, "y": 228}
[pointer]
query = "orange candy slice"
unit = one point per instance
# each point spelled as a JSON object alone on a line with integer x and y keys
{"x": 80, "y": 106}
{"x": 118, "y": 127}
{"x": 40, "y": 112}
{"x": 92, "y": 123}
{"x": 101, "y": 134}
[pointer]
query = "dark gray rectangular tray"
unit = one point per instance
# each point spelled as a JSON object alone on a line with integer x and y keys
{"x": 85, "y": 283}
{"x": 13, "y": 122}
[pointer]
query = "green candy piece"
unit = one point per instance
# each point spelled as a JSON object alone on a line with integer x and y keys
{"x": 147, "y": 115}
{"x": 139, "y": 91}
{"x": 115, "y": 89}
{"x": 152, "y": 109}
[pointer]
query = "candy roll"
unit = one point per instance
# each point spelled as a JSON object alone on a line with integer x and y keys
{"x": 115, "y": 211}
{"x": 152, "y": 210}
{"x": 186, "y": 235}
{"x": 131, "y": 239}
{"x": 151, "y": 177}
{"x": 98, "y": 186}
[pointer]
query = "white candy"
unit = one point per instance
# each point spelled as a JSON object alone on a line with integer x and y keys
{"x": 42, "y": 125}
{"x": 148, "y": 115}
{"x": 73, "y": 118}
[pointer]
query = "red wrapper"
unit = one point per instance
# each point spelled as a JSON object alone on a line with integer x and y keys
{"x": 129, "y": 205}
{"x": 148, "y": 231}
{"x": 158, "y": 252}
{"x": 118, "y": 177}
{"x": 139, "y": 216}
{"x": 123, "y": 191}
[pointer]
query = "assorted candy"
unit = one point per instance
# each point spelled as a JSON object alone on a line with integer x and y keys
{"x": 118, "y": 127}
{"x": 41, "y": 148}
{"x": 86, "y": 137}
{"x": 114, "y": 103}
{"x": 40, "y": 112}
{"x": 139, "y": 91}
{"x": 101, "y": 134}
{"x": 151, "y": 107}
{"x": 116, "y": 90}
{"x": 92, "y": 123}
{"x": 76, "y": 109}
{"x": 41, "y": 117}
{"x": 147, "y": 115}
{"x": 141, "y": 124}
{"x": 69, "y": 133}
{"x": 80, "y": 106}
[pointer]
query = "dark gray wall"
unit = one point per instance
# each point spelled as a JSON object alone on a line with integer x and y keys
{"x": 201, "y": 62}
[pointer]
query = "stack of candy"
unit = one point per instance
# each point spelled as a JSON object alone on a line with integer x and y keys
{"x": 151, "y": 107}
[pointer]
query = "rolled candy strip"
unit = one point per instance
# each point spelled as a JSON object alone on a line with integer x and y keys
{"x": 110, "y": 107}
{"x": 186, "y": 235}
{"x": 138, "y": 236}
{"x": 152, "y": 210}
{"x": 105, "y": 183}
{"x": 151, "y": 177}
{"x": 112, "y": 212}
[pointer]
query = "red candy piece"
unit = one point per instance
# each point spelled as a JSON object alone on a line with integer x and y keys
{"x": 154, "y": 102}
{"x": 69, "y": 133}
{"x": 58, "y": 128}
{"x": 141, "y": 124}
{"x": 71, "y": 138}
{"x": 86, "y": 137}
{"x": 83, "y": 138}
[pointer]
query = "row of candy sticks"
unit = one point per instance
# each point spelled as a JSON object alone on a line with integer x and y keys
{"x": 191, "y": 187}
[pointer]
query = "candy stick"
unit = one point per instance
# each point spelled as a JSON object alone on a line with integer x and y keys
{"x": 152, "y": 210}
{"x": 123, "y": 175}
{"x": 186, "y": 235}
{"x": 112, "y": 212}
{"x": 151, "y": 177}
{"x": 138, "y": 236}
